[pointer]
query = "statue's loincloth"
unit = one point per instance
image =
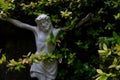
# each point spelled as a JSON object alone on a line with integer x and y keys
{"x": 47, "y": 69}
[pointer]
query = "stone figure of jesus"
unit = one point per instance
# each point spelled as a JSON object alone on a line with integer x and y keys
{"x": 41, "y": 71}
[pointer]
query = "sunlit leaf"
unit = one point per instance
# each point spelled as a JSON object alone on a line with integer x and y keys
{"x": 118, "y": 67}
{"x": 115, "y": 61}
{"x": 101, "y": 51}
{"x": 117, "y": 16}
{"x": 103, "y": 78}
{"x": 112, "y": 66}
{"x": 99, "y": 71}
{"x": 105, "y": 47}
{"x": 3, "y": 58}
{"x": 117, "y": 47}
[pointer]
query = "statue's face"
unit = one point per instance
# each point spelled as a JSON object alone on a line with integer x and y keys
{"x": 43, "y": 23}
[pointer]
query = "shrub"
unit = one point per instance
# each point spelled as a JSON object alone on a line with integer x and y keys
{"x": 79, "y": 44}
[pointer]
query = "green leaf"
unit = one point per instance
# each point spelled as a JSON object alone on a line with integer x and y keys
{"x": 3, "y": 59}
{"x": 115, "y": 61}
{"x": 115, "y": 34}
{"x": 52, "y": 39}
{"x": 112, "y": 66}
{"x": 117, "y": 67}
{"x": 105, "y": 46}
{"x": 101, "y": 51}
{"x": 100, "y": 11}
{"x": 117, "y": 47}
{"x": 102, "y": 78}
{"x": 51, "y": 35}
{"x": 117, "y": 16}
{"x": 99, "y": 71}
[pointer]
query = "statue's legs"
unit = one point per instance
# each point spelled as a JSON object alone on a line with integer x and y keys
{"x": 40, "y": 76}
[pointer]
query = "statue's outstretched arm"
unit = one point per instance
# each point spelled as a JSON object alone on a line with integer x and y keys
{"x": 19, "y": 24}
{"x": 82, "y": 21}
{"x": 86, "y": 18}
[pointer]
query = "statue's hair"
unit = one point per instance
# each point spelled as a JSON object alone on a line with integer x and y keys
{"x": 42, "y": 16}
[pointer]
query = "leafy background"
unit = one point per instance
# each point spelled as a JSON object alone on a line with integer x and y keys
{"x": 78, "y": 46}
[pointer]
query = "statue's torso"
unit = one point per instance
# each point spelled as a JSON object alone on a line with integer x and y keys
{"x": 48, "y": 70}
{"x": 41, "y": 43}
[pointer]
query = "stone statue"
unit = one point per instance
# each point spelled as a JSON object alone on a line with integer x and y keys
{"x": 42, "y": 71}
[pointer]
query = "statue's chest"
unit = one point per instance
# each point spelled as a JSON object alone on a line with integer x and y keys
{"x": 42, "y": 38}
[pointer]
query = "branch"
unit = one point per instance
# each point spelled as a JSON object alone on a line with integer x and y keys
{"x": 85, "y": 19}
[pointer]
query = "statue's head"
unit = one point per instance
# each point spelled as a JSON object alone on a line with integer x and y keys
{"x": 43, "y": 22}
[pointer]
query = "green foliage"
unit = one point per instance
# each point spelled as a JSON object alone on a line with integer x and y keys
{"x": 3, "y": 59}
{"x": 76, "y": 49}
{"x": 110, "y": 59}
{"x": 28, "y": 60}
{"x": 15, "y": 65}
{"x": 5, "y": 6}
{"x": 52, "y": 39}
